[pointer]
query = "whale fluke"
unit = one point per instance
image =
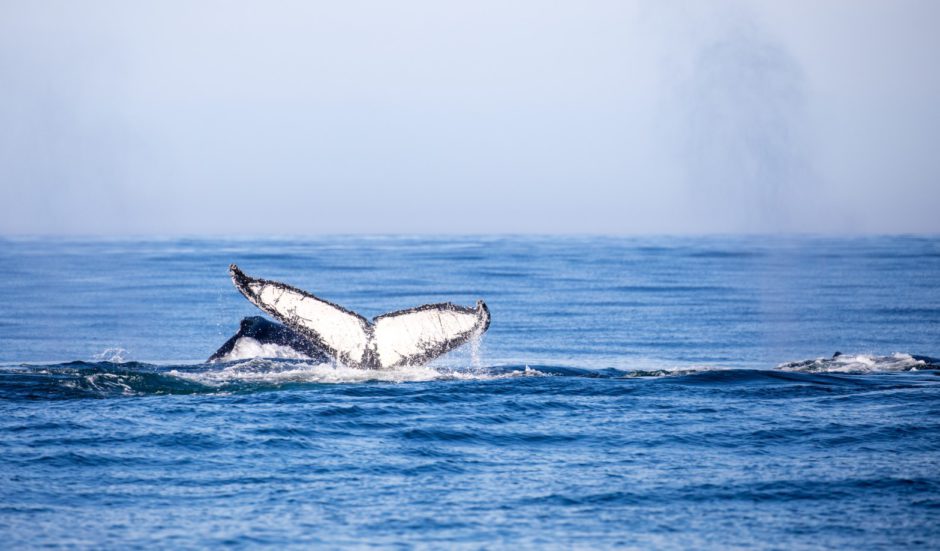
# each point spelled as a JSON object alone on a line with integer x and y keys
{"x": 407, "y": 337}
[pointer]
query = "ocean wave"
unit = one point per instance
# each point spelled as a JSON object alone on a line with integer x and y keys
{"x": 101, "y": 379}
{"x": 91, "y": 380}
{"x": 110, "y": 379}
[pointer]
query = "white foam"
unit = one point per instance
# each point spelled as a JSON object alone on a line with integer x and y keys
{"x": 267, "y": 371}
{"x": 856, "y": 363}
{"x": 246, "y": 348}
{"x": 114, "y": 355}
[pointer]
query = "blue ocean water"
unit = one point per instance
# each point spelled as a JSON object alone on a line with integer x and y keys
{"x": 631, "y": 392}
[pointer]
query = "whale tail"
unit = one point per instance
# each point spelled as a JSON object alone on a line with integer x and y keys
{"x": 407, "y": 337}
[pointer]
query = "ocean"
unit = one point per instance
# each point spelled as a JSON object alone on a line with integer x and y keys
{"x": 644, "y": 392}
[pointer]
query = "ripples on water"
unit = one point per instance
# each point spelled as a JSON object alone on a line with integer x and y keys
{"x": 629, "y": 394}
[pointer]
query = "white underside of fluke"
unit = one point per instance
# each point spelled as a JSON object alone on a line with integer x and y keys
{"x": 336, "y": 329}
{"x": 408, "y": 337}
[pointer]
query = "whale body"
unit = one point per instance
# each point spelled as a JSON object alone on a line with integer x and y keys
{"x": 407, "y": 337}
{"x": 260, "y": 337}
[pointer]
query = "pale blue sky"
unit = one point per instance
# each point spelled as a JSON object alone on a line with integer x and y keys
{"x": 426, "y": 117}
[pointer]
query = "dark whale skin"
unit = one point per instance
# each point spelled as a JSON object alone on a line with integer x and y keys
{"x": 268, "y": 332}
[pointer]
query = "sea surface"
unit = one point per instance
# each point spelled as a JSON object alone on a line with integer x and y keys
{"x": 647, "y": 392}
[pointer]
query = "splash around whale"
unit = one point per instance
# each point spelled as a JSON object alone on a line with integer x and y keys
{"x": 311, "y": 327}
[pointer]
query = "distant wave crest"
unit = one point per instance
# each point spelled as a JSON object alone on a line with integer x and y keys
{"x": 862, "y": 363}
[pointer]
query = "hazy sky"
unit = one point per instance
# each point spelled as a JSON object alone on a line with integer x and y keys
{"x": 423, "y": 117}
